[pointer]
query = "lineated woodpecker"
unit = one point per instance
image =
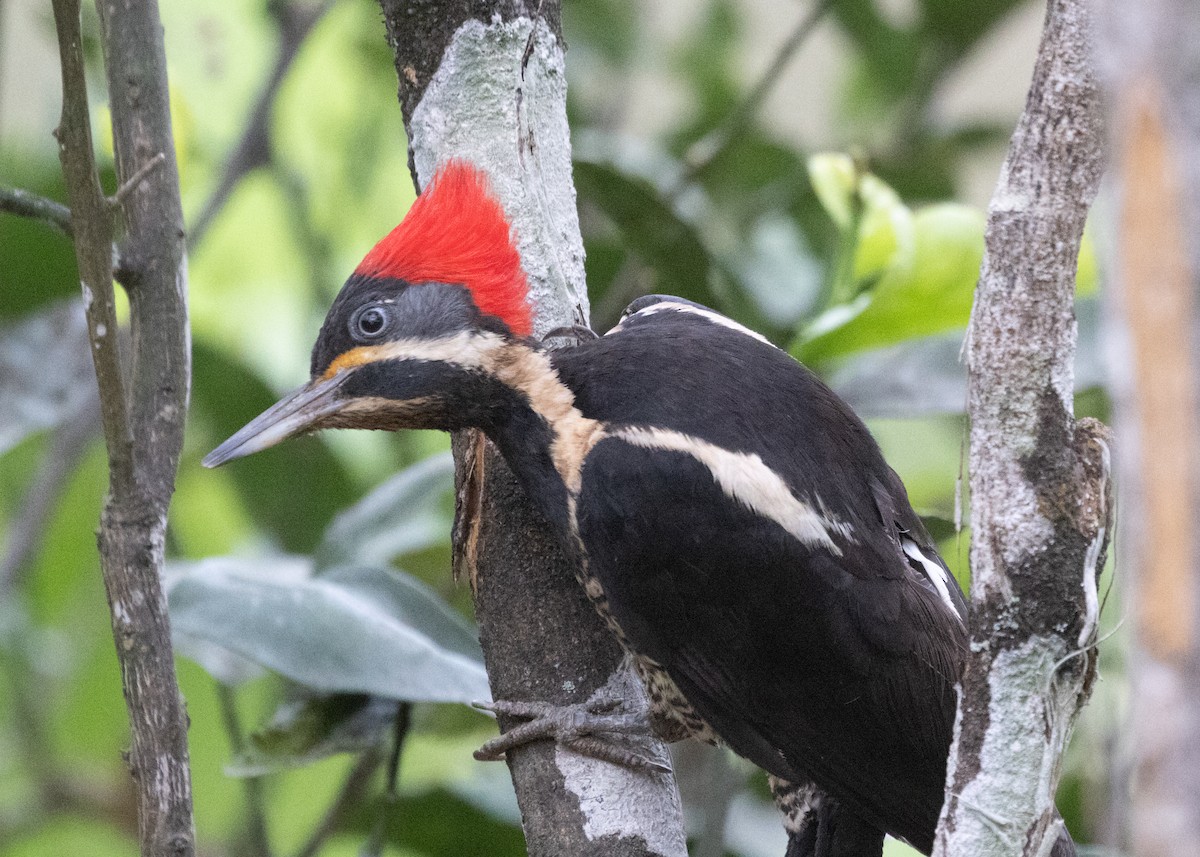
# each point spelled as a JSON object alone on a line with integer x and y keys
{"x": 729, "y": 516}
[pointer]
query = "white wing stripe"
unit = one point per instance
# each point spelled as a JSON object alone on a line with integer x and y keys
{"x": 745, "y": 478}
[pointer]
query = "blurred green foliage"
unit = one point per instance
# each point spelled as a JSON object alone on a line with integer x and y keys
{"x": 862, "y": 265}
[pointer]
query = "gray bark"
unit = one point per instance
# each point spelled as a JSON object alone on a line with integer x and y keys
{"x": 1040, "y": 515}
{"x": 143, "y": 398}
{"x": 485, "y": 82}
{"x": 1150, "y": 63}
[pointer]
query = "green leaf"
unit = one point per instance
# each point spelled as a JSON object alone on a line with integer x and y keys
{"x": 225, "y": 666}
{"x": 608, "y": 27}
{"x": 352, "y": 630}
{"x": 705, "y": 65}
{"x": 915, "y": 378}
{"x": 307, "y": 728}
{"x": 405, "y": 514}
{"x": 960, "y": 25}
{"x": 891, "y": 55}
{"x": 834, "y": 178}
{"x": 877, "y": 228}
{"x": 886, "y": 232}
{"x": 928, "y": 294}
{"x": 650, "y": 228}
{"x": 1087, "y": 274}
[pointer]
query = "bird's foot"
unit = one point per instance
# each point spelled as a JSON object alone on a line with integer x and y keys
{"x": 593, "y": 728}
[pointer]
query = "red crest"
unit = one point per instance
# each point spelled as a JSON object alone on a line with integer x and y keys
{"x": 456, "y": 232}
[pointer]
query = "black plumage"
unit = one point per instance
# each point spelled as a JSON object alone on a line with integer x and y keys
{"x": 835, "y": 668}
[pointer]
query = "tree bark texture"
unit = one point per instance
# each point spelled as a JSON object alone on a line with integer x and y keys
{"x": 143, "y": 395}
{"x": 485, "y": 82}
{"x": 1150, "y": 63}
{"x": 1040, "y": 513}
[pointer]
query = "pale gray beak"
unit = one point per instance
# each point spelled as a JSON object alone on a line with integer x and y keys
{"x": 294, "y": 414}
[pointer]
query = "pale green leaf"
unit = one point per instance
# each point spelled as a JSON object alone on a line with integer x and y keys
{"x": 931, "y": 294}
{"x": 352, "y": 630}
{"x": 407, "y": 513}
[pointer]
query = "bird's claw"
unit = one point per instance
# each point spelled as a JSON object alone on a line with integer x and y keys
{"x": 578, "y": 727}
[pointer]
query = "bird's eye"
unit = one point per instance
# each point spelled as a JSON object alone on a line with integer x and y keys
{"x": 370, "y": 322}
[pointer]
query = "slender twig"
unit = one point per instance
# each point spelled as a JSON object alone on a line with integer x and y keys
{"x": 295, "y": 21}
{"x": 29, "y": 717}
{"x": 701, "y": 154}
{"x": 313, "y": 240}
{"x": 40, "y": 500}
{"x": 131, "y": 184}
{"x": 258, "y": 839}
{"x": 705, "y": 151}
{"x": 22, "y": 203}
{"x": 92, "y": 228}
{"x": 348, "y": 797}
{"x": 391, "y": 793}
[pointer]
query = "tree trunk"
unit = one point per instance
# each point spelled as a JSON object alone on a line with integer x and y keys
{"x": 1040, "y": 515}
{"x": 1151, "y": 57}
{"x": 485, "y": 82}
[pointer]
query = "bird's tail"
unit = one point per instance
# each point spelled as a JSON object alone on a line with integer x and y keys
{"x": 819, "y": 837}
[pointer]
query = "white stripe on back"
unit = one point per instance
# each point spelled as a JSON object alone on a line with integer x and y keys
{"x": 744, "y": 477}
{"x": 933, "y": 570}
{"x": 714, "y": 317}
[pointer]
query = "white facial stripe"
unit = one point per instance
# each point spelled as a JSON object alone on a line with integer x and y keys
{"x": 934, "y": 571}
{"x": 714, "y": 317}
{"x": 467, "y": 349}
{"x": 745, "y": 478}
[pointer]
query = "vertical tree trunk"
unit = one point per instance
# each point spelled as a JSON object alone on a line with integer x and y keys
{"x": 1039, "y": 480}
{"x": 143, "y": 396}
{"x": 485, "y": 82}
{"x": 1151, "y": 59}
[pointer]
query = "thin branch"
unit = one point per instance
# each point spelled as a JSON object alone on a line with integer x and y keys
{"x": 41, "y": 499}
{"x": 701, "y": 154}
{"x": 348, "y": 797}
{"x": 391, "y": 793}
{"x": 92, "y": 230}
{"x": 135, "y": 181}
{"x": 294, "y": 21}
{"x": 22, "y": 203}
{"x": 627, "y": 284}
{"x": 257, "y": 837}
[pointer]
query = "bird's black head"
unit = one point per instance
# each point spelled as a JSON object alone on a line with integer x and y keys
{"x": 372, "y": 311}
{"x": 424, "y": 314}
